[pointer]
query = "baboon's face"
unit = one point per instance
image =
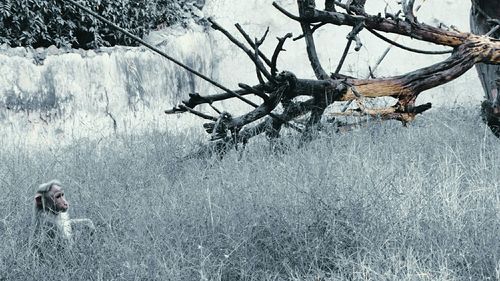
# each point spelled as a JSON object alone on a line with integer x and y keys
{"x": 59, "y": 203}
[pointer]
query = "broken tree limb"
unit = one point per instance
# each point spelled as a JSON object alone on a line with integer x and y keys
{"x": 403, "y": 87}
{"x": 285, "y": 87}
{"x": 482, "y": 49}
{"x": 383, "y": 56}
{"x": 468, "y": 50}
{"x": 411, "y": 84}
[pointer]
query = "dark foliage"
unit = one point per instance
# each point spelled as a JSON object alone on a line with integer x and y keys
{"x": 41, "y": 23}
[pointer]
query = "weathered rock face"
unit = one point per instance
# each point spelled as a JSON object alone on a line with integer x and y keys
{"x": 481, "y": 12}
{"x": 81, "y": 93}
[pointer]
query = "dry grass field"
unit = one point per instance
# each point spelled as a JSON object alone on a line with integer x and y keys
{"x": 379, "y": 203}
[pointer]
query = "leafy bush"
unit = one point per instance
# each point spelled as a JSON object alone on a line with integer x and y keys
{"x": 41, "y": 23}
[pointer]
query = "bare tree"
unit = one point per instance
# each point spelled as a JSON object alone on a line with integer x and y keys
{"x": 283, "y": 87}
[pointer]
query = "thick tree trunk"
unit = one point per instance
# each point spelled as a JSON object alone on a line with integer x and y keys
{"x": 481, "y": 12}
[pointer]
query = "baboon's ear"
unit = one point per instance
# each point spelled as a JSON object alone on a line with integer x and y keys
{"x": 38, "y": 201}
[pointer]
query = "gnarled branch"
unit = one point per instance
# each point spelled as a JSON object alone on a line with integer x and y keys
{"x": 285, "y": 87}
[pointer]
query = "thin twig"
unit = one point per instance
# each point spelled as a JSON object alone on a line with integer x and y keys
{"x": 315, "y": 27}
{"x": 350, "y": 37}
{"x": 196, "y": 99}
{"x": 249, "y": 41}
{"x": 257, "y": 70}
{"x": 277, "y": 50}
{"x": 259, "y": 42}
{"x": 344, "y": 55}
{"x": 254, "y": 91}
{"x": 197, "y": 113}
{"x": 370, "y": 72}
{"x": 257, "y": 62}
{"x": 286, "y": 13}
{"x": 215, "y": 108}
{"x": 408, "y": 48}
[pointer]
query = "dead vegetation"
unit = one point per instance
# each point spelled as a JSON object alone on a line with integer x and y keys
{"x": 281, "y": 88}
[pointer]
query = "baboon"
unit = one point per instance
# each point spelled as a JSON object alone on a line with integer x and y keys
{"x": 52, "y": 228}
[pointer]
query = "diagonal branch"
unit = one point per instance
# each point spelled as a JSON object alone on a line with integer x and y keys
{"x": 253, "y": 90}
{"x": 196, "y": 99}
{"x": 310, "y": 45}
{"x": 313, "y": 29}
{"x": 197, "y": 113}
{"x": 392, "y": 42}
{"x": 407, "y": 86}
{"x": 418, "y": 31}
{"x": 279, "y": 48}
{"x": 256, "y": 57}
{"x": 350, "y": 38}
{"x": 251, "y": 43}
{"x": 256, "y": 61}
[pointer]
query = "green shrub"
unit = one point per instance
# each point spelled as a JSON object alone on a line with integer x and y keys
{"x": 41, "y": 23}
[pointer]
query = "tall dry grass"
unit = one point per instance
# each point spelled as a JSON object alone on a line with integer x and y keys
{"x": 378, "y": 203}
